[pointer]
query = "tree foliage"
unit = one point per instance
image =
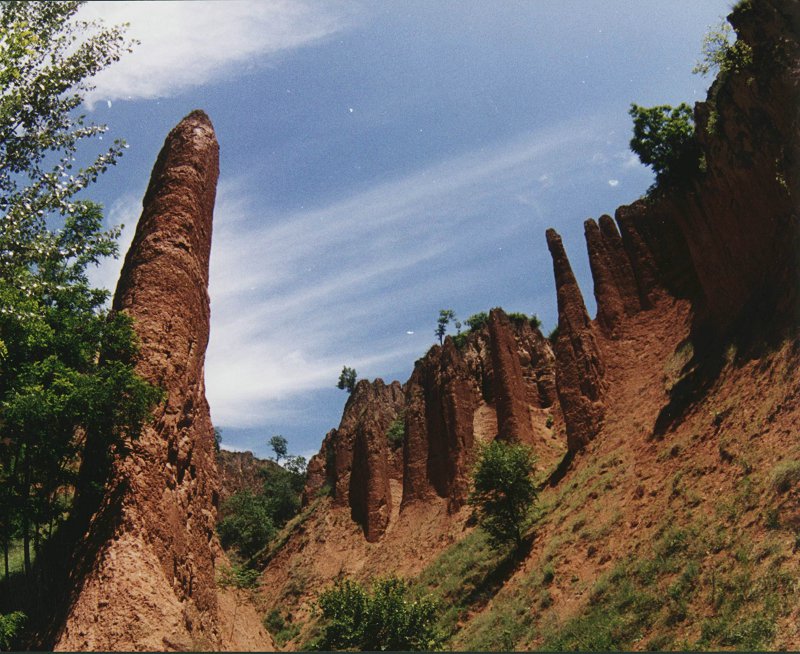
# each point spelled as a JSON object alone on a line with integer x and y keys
{"x": 11, "y": 625}
{"x": 663, "y": 138}
{"x": 66, "y": 367}
{"x": 477, "y": 320}
{"x": 250, "y": 520}
{"x": 720, "y": 54}
{"x": 445, "y": 316}
{"x": 386, "y": 619}
{"x": 246, "y": 523}
{"x": 347, "y": 379}
{"x": 279, "y": 446}
{"x": 503, "y": 491}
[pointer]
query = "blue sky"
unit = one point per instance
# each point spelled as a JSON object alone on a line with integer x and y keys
{"x": 381, "y": 161}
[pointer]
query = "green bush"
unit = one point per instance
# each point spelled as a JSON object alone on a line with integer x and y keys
{"x": 503, "y": 491}
{"x": 397, "y": 431}
{"x": 10, "y": 627}
{"x": 521, "y": 317}
{"x": 477, "y": 320}
{"x": 385, "y": 620}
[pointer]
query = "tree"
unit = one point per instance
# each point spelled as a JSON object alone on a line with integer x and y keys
{"x": 347, "y": 379}
{"x": 66, "y": 367}
{"x": 217, "y": 439}
{"x": 663, "y": 138}
{"x": 385, "y": 620}
{"x": 246, "y": 523}
{"x": 283, "y": 488}
{"x": 279, "y": 445}
{"x": 503, "y": 491}
{"x": 445, "y": 316}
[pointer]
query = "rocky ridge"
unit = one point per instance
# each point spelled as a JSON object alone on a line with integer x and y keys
{"x": 499, "y": 381}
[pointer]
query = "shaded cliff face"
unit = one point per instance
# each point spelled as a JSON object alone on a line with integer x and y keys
{"x": 500, "y": 382}
{"x": 152, "y": 545}
{"x": 728, "y": 242}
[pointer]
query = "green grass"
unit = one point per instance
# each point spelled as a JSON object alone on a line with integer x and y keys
{"x": 464, "y": 577}
{"x": 281, "y": 627}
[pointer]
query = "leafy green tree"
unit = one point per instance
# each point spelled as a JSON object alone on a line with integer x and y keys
{"x": 347, "y": 379}
{"x": 217, "y": 439}
{"x": 663, "y": 138}
{"x": 503, "y": 491}
{"x": 246, "y": 523}
{"x": 279, "y": 445}
{"x": 445, "y": 316}
{"x": 282, "y": 489}
{"x": 66, "y": 368}
{"x": 385, "y": 620}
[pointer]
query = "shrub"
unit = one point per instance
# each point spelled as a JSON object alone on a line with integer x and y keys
{"x": 719, "y": 54}
{"x": 397, "y": 431}
{"x": 521, "y": 317}
{"x": 477, "y": 320}
{"x": 553, "y": 335}
{"x": 460, "y": 340}
{"x": 10, "y": 627}
{"x": 503, "y": 491}
{"x": 384, "y": 620}
{"x": 785, "y": 475}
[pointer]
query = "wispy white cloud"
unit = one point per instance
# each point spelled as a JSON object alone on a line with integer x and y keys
{"x": 124, "y": 213}
{"x": 295, "y": 295}
{"x": 184, "y": 44}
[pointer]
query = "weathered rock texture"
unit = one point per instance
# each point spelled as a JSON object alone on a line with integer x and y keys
{"x": 358, "y": 455}
{"x": 513, "y": 411}
{"x": 498, "y": 381}
{"x": 151, "y": 582}
{"x": 241, "y": 471}
{"x": 579, "y": 368}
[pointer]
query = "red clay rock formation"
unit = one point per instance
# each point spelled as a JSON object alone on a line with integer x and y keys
{"x": 506, "y": 366}
{"x": 152, "y": 583}
{"x": 610, "y": 306}
{"x": 442, "y": 397}
{"x": 511, "y": 401}
{"x": 360, "y": 454}
{"x": 621, "y": 268}
{"x": 318, "y": 473}
{"x": 730, "y": 239}
{"x": 579, "y": 368}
